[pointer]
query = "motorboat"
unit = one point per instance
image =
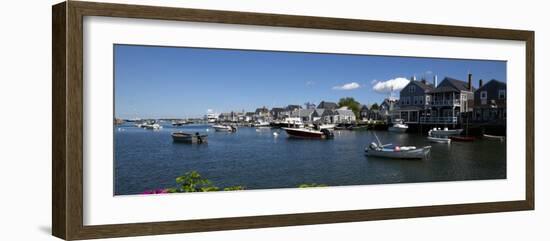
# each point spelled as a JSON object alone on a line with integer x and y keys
{"x": 399, "y": 127}
{"x": 261, "y": 124}
{"x": 493, "y": 137}
{"x": 153, "y": 126}
{"x": 228, "y": 128}
{"x": 445, "y": 131}
{"x": 303, "y": 132}
{"x": 189, "y": 138}
{"x": 398, "y": 152}
{"x": 180, "y": 123}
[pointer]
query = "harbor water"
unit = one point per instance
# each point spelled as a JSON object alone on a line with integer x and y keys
{"x": 258, "y": 159}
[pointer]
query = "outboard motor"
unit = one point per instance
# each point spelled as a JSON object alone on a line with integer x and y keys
{"x": 373, "y": 146}
{"x": 327, "y": 133}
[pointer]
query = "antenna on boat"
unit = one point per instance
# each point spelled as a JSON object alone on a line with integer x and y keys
{"x": 378, "y": 140}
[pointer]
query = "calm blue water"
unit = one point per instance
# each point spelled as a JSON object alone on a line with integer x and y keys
{"x": 255, "y": 159}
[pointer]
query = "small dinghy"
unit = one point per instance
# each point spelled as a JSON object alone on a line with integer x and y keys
{"x": 189, "y": 138}
{"x": 398, "y": 152}
{"x": 492, "y": 137}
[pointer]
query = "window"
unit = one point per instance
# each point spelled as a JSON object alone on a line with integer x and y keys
{"x": 502, "y": 94}
{"x": 412, "y": 89}
{"x": 483, "y": 97}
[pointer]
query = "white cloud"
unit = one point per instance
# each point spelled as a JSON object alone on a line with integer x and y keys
{"x": 390, "y": 85}
{"x": 309, "y": 83}
{"x": 348, "y": 86}
{"x": 373, "y": 81}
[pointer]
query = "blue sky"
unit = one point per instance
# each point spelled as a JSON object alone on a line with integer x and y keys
{"x": 175, "y": 82}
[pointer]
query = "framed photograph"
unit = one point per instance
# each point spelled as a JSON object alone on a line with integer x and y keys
{"x": 170, "y": 120}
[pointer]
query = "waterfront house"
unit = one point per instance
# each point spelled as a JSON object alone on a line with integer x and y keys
{"x": 374, "y": 112}
{"x": 317, "y": 115}
{"x": 278, "y": 113}
{"x": 490, "y": 102}
{"x": 249, "y": 116}
{"x": 386, "y": 111}
{"x": 343, "y": 115}
{"x": 305, "y": 115}
{"x": 414, "y": 100}
{"x": 449, "y": 100}
{"x": 364, "y": 113}
{"x": 327, "y": 105}
{"x": 261, "y": 114}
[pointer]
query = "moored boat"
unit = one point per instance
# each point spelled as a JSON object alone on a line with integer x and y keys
{"x": 189, "y": 138}
{"x": 153, "y": 126}
{"x": 493, "y": 137}
{"x": 261, "y": 124}
{"x": 228, "y": 128}
{"x": 445, "y": 131}
{"x": 303, "y": 132}
{"x": 399, "y": 127}
{"x": 398, "y": 152}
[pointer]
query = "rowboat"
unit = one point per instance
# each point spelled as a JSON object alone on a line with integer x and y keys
{"x": 444, "y": 140}
{"x": 463, "y": 138}
{"x": 303, "y": 132}
{"x": 492, "y": 137}
{"x": 445, "y": 131}
{"x": 398, "y": 152}
{"x": 189, "y": 138}
{"x": 227, "y": 128}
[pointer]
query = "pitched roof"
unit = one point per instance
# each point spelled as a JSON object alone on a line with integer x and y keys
{"x": 455, "y": 85}
{"x": 425, "y": 87}
{"x": 492, "y": 82}
{"x": 327, "y": 105}
{"x": 344, "y": 112}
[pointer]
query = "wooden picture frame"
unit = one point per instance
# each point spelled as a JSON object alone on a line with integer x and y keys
{"x": 67, "y": 152}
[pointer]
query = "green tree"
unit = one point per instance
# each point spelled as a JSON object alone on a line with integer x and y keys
{"x": 374, "y": 106}
{"x": 352, "y": 104}
{"x": 234, "y": 188}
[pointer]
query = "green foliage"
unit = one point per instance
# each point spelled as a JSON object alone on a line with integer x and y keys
{"x": 306, "y": 185}
{"x": 194, "y": 182}
{"x": 234, "y": 188}
{"x": 375, "y": 106}
{"x": 352, "y": 104}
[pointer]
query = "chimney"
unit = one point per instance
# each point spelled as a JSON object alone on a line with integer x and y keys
{"x": 480, "y": 83}
{"x": 423, "y": 81}
{"x": 470, "y": 81}
{"x": 435, "y": 80}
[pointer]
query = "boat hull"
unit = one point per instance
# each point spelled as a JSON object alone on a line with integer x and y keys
{"x": 420, "y": 153}
{"x": 189, "y": 138}
{"x": 492, "y": 137}
{"x": 397, "y": 129}
{"x": 439, "y": 140}
{"x": 446, "y": 132}
{"x": 305, "y": 133}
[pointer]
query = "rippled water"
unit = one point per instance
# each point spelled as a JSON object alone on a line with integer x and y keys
{"x": 256, "y": 159}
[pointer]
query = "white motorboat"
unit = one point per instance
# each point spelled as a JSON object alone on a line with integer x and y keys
{"x": 227, "y": 128}
{"x": 153, "y": 126}
{"x": 398, "y": 152}
{"x": 303, "y": 132}
{"x": 327, "y": 126}
{"x": 398, "y": 126}
{"x": 261, "y": 124}
{"x": 445, "y": 132}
